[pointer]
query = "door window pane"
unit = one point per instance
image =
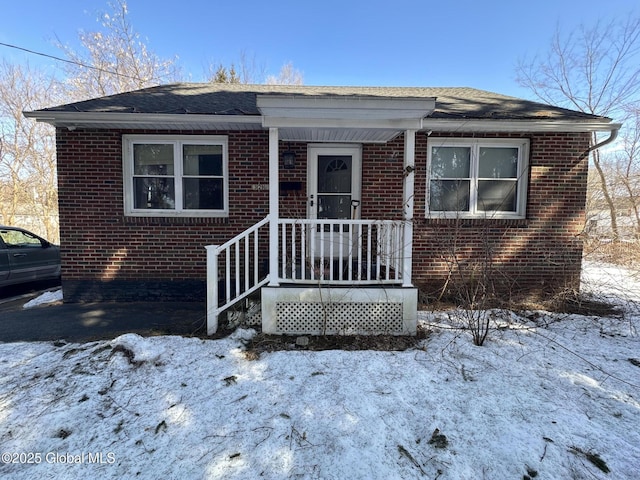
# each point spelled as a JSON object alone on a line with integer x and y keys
{"x": 450, "y": 162}
{"x": 334, "y": 206}
{"x": 334, "y": 173}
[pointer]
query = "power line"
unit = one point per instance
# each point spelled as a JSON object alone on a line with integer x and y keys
{"x": 68, "y": 61}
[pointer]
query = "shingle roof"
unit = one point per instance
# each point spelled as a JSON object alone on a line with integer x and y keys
{"x": 240, "y": 99}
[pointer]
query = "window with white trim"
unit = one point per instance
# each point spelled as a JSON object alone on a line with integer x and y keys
{"x": 184, "y": 175}
{"x": 484, "y": 178}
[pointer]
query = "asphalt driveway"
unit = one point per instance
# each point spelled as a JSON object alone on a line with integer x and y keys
{"x": 83, "y": 322}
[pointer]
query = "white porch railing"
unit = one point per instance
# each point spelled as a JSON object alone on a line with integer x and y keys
{"x": 240, "y": 257}
{"x": 342, "y": 252}
{"x": 320, "y": 252}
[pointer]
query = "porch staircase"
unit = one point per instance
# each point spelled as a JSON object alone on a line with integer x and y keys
{"x": 239, "y": 261}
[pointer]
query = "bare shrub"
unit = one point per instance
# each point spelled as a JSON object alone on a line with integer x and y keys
{"x": 469, "y": 281}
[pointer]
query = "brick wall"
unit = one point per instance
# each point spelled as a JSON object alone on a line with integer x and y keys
{"x": 103, "y": 251}
{"x": 538, "y": 255}
{"x": 106, "y": 255}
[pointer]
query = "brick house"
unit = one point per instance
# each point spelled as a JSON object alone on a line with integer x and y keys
{"x": 338, "y": 204}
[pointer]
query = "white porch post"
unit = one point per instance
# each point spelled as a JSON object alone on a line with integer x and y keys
{"x": 408, "y": 195}
{"x": 274, "y": 213}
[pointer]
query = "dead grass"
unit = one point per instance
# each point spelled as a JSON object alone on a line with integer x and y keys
{"x": 270, "y": 343}
{"x": 569, "y": 302}
{"x": 574, "y": 302}
{"x": 625, "y": 253}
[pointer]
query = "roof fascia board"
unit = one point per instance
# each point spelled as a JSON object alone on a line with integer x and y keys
{"x": 445, "y": 125}
{"x": 448, "y": 125}
{"x": 349, "y": 103}
{"x": 88, "y": 118}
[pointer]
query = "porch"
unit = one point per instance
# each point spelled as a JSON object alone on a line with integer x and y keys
{"x": 331, "y": 276}
{"x": 331, "y": 272}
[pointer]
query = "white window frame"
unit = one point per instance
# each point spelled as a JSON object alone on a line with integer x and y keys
{"x": 128, "y": 141}
{"x": 475, "y": 144}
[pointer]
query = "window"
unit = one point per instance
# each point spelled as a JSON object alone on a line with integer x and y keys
{"x": 18, "y": 239}
{"x": 477, "y": 178}
{"x": 181, "y": 175}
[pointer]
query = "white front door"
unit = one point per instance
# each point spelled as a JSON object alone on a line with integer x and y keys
{"x": 334, "y": 176}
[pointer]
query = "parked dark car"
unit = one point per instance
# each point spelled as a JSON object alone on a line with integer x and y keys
{"x": 26, "y": 257}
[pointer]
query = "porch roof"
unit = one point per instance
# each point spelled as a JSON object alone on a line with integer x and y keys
{"x": 347, "y": 118}
{"x": 317, "y": 113}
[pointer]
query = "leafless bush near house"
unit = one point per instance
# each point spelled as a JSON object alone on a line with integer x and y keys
{"x": 470, "y": 281}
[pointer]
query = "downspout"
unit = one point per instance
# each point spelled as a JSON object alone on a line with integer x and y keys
{"x": 613, "y": 135}
{"x": 605, "y": 190}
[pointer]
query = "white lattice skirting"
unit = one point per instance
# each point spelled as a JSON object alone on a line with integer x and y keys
{"x": 339, "y": 311}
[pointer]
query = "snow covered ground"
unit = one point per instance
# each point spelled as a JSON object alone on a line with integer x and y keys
{"x": 549, "y": 396}
{"x": 47, "y": 297}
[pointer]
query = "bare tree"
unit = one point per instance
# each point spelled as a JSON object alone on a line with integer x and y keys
{"x": 28, "y": 185}
{"x": 114, "y": 59}
{"x": 288, "y": 75}
{"x": 248, "y": 70}
{"x": 627, "y": 170}
{"x": 594, "y": 70}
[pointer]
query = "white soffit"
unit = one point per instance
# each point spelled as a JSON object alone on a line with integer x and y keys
{"x": 337, "y": 135}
